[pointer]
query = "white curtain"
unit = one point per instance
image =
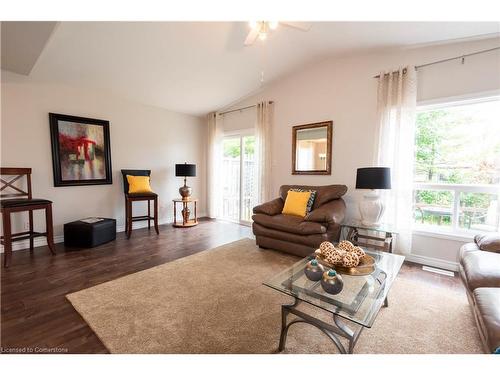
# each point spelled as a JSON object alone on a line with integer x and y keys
{"x": 397, "y": 100}
{"x": 263, "y": 135}
{"x": 214, "y": 190}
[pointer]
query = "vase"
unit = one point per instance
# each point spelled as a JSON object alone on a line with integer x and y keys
{"x": 332, "y": 282}
{"x": 314, "y": 270}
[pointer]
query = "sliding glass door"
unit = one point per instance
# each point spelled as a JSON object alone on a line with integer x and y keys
{"x": 239, "y": 187}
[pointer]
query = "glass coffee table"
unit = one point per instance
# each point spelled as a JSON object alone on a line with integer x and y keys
{"x": 353, "y": 309}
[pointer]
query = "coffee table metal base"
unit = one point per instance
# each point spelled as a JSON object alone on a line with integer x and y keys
{"x": 333, "y": 331}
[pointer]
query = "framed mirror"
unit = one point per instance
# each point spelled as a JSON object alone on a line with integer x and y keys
{"x": 312, "y": 148}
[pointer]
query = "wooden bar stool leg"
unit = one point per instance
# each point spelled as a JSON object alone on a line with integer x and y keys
{"x": 149, "y": 214}
{"x": 126, "y": 216}
{"x": 30, "y": 219}
{"x": 50, "y": 228}
{"x": 129, "y": 217}
{"x": 156, "y": 215}
{"x": 7, "y": 243}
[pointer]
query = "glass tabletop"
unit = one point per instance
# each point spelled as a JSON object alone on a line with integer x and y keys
{"x": 361, "y": 297}
{"x": 383, "y": 227}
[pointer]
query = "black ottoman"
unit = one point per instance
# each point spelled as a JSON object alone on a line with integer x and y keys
{"x": 82, "y": 234}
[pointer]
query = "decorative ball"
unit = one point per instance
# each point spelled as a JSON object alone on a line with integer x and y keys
{"x": 334, "y": 258}
{"x": 340, "y": 252}
{"x": 350, "y": 260}
{"x": 358, "y": 251}
{"x": 345, "y": 245}
{"x": 328, "y": 252}
{"x": 326, "y": 247}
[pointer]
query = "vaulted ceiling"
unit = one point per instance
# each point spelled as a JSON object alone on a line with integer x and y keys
{"x": 196, "y": 67}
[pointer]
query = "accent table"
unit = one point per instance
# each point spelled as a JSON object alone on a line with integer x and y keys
{"x": 350, "y": 231}
{"x": 186, "y": 212}
{"x": 353, "y": 309}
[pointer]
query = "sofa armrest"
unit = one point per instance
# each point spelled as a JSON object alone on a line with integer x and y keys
{"x": 466, "y": 249}
{"x": 488, "y": 242}
{"x": 270, "y": 208}
{"x": 331, "y": 212}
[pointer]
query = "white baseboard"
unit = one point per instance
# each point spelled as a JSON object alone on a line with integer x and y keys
{"x": 433, "y": 262}
{"x": 42, "y": 241}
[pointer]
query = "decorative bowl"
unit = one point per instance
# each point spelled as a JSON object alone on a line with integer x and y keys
{"x": 365, "y": 267}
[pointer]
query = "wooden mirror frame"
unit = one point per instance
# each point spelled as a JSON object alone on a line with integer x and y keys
{"x": 329, "y": 127}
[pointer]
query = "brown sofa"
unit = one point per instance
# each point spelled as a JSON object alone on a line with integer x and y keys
{"x": 296, "y": 235}
{"x": 480, "y": 273}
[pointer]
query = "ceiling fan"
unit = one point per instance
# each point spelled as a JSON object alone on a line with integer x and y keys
{"x": 260, "y": 29}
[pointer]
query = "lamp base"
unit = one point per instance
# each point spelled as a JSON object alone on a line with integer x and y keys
{"x": 371, "y": 209}
{"x": 185, "y": 192}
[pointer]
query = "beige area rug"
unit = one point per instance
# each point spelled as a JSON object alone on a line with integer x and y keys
{"x": 214, "y": 302}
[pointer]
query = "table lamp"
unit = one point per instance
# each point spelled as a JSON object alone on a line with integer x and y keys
{"x": 373, "y": 178}
{"x": 185, "y": 170}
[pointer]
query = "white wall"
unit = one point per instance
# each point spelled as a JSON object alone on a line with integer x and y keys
{"x": 235, "y": 121}
{"x": 142, "y": 137}
{"x": 344, "y": 90}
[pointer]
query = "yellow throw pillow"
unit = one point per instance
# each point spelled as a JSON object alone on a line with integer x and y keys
{"x": 138, "y": 184}
{"x": 296, "y": 203}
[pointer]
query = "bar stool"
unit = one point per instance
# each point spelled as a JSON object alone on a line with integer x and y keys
{"x": 130, "y": 198}
{"x": 19, "y": 201}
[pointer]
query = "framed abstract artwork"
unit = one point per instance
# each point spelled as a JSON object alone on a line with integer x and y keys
{"x": 81, "y": 153}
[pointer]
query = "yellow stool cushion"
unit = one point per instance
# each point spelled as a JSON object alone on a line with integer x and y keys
{"x": 296, "y": 203}
{"x": 138, "y": 184}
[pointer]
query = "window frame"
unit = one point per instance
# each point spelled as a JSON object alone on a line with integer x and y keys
{"x": 455, "y": 232}
{"x": 238, "y": 134}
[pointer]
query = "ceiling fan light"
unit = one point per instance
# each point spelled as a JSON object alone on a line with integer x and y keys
{"x": 273, "y": 25}
{"x": 262, "y": 36}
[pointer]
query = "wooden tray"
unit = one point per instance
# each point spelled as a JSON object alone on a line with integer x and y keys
{"x": 365, "y": 267}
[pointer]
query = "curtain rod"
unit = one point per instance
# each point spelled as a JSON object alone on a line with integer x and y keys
{"x": 449, "y": 59}
{"x": 242, "y": 108}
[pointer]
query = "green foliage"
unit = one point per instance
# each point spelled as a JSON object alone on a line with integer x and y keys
{"x": 457, "y": 145}
{"x": 249, "y": 145}
{"x": 441, "y": 198}
{"x": 429, "y": 136}
{"x": 479, "y": 200}
{"x": 232, "y": 146}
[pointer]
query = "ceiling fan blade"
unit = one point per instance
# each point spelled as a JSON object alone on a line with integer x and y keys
{"x": 252, "y": 35}
{"x": 304, "y": 26}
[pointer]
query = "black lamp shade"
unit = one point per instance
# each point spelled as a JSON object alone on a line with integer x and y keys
{"x": 373, "y": 178}
{"x": 185, "y": 170}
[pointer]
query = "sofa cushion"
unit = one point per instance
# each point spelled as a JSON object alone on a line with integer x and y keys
{"x": 312, "y": 197}
{"x": 312, "y": 240}
{"x": 296, "y": 203}
{"x": 488, "y": 242}
{"x": 481, "y": 269}
{"x": 324, "y": 194}
{"x": 288, "y": 223}
{"x": 487, "y": 301}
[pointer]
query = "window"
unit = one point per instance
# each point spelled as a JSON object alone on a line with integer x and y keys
{"x": 457, "y": 167}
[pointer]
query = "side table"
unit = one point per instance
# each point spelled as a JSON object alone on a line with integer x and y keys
{"x": 350, "y": 231}
{"x": 186, "y": 212}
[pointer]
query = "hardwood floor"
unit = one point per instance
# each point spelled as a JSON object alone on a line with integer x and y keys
{"x": 36, "y": 315}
